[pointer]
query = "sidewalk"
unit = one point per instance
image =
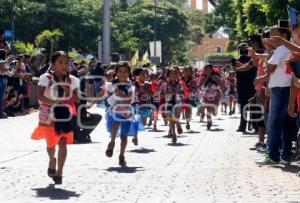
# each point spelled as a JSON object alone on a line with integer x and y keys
{"x": 205, "y": 166}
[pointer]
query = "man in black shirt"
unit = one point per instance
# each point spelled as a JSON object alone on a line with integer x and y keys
{"x": 246, "y": 73}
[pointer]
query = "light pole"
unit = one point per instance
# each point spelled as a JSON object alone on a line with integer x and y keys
{"x": 155, "y": 27}
{"x": 106, "y": 31}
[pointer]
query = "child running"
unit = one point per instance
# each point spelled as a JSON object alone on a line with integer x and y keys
{"x": 231, "y": 91}
{"x": 211, "y": 94}
{"x": 120, "y": 113}
{"x": 190, "y": 98}
{"x": 155, "y": 100}
{"x": 57, "y": 92}
{"x": 173, "y": 91}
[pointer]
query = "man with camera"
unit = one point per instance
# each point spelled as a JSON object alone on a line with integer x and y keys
{"x": 246, "y": 71}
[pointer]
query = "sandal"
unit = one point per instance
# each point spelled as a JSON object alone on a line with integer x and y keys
{"x": 170, "y": 134}
{"x": 209, "y": 125}
{"x": 179, "y": 130}
{"x": 135, "y": 141}
{"x": 122, "y": 161}
{"x": 51, "y": 172}
{"x": 110, "y": 149}
{"x": 174, "y": 139}
{"x": 188, "y": 127}
{"x": 57, "y": 180}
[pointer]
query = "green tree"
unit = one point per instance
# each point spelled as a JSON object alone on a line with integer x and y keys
{"x": 242, "y": 18}
{"x": 48, "y": 36}
{"x": 28, "y": 48}
{"x": 134, "y": 29}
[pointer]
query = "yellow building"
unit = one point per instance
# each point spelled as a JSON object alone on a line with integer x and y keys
{"x": 215, "y": 44}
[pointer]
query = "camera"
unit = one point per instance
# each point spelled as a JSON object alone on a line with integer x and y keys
{"x": 283, "y": 24}
{"x": 233, "y": 62}
{"x": 243, "y": 49}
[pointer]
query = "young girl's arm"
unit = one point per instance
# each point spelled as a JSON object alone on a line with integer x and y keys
{"x": 42, "y": 98}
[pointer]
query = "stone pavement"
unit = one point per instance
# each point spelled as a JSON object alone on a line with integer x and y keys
{"x": 205, "y": 166}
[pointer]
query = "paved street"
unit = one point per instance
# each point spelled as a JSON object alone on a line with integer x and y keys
{"x": 214, "y": 166}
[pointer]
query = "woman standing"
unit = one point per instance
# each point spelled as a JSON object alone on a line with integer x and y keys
{"x": 57, "y": 92}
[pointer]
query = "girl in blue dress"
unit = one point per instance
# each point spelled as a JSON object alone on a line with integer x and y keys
{"x": 121, "y": 120}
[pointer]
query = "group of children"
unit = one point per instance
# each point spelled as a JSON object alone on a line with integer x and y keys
{"x": 133, "y": 99}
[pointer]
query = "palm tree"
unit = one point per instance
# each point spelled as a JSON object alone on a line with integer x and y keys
{"x": 49, "y": 36}
{"x": 78, "y": 57}
{"x": 27, "y": 48}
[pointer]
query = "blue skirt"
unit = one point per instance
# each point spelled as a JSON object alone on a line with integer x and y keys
{"x": 128, "y": 126}
{"x": 145, "y": 112}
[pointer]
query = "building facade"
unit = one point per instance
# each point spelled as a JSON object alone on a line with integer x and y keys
{"x": 214, "y": 44}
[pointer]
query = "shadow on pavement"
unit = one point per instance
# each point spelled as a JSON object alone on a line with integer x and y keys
{"x": 142, "y": 151}
{"x": 169, "y": 137}
{"x": 192, "y": 132}
{"x": 249, "y": 134}
{"x": 213, "y": 125}
{"x": 216, "y": 130}
{"x": 177, "y": 144}
{"x": 289, "y": 169}
{"x": 54, "y": 194}
{"x": 85, "y": 143}
{"x": 157, "y": 131}
{"x": 125, "y": 169}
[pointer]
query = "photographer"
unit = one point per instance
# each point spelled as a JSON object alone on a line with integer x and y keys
{"x": 88, "y": 121}
{"x": 4, "y": 74}
{"x": 12, "y": 102}
{"x": 246, "y": 72}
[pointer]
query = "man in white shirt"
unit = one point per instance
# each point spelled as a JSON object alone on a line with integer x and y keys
{"x": 279, "y": 131}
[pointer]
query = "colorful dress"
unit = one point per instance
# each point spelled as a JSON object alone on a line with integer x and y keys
{"x": 143, "y": 99}
{"x": 190, "y": 91}
{"x": 231, "y": 87}
{"x": 211, "y": 93}
{"x": 224, "y": 98}
{"x": 47, "y": 128}
{"x": 174, "y": 94}
{"x": 120, "y": 109}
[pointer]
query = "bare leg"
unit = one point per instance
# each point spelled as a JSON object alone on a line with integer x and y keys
{"x": 114, "y": 131}
{"x": 188, "y": 115}
{"x": 62, "y": 155}
{"x": 123, "y": 146}
{"x": 261, "y": 134}
{"x": 209, "y": 117}
{"x": 230, "y": 105}
{"x": 52, "y": 162}
{"x": 173, "y": 131}
{"x": 202, "y": 114}
{"x": 109, "y": 151}
{"x": 155, "y": 117}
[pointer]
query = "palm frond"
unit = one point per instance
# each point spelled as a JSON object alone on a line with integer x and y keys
{"x": 27, "y": 48}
